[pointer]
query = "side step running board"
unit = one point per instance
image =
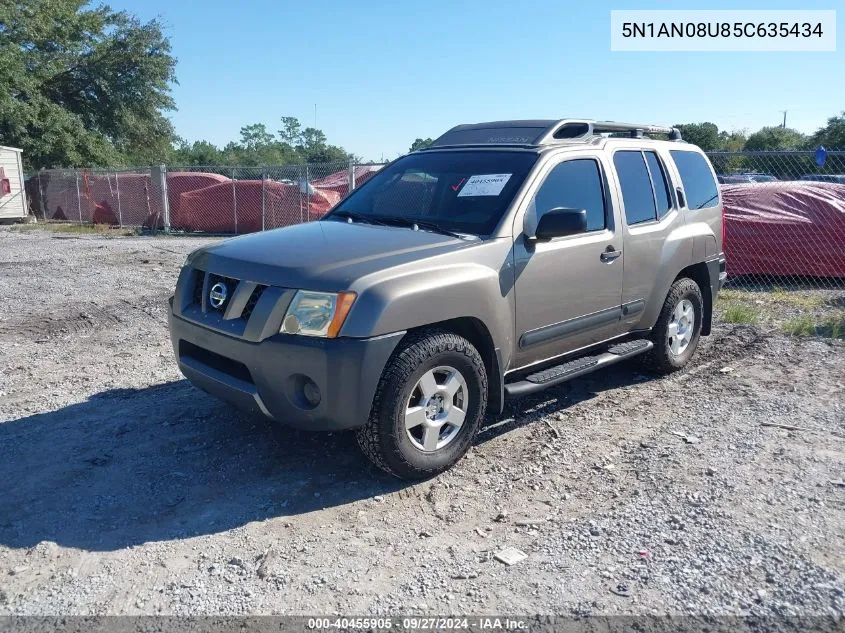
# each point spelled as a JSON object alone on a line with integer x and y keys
{"x": 578, "y": 367}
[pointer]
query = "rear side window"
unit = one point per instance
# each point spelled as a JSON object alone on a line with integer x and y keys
{"x": 637, "y": 194}
{"x": 699, "y": 186}
{"x": 661, "y": 187}
{"x": 575, "y": 184}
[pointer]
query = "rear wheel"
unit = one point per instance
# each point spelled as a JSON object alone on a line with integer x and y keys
{"x": 428, "y": 406}
{"x": 678, "y": 328}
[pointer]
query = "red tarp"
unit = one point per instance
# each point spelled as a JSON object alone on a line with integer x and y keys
{"x": 213, "y": 208}
{"x": 179, "y": 182}
{"x": 339, "y": 181}
{"x": 785, "y": 228}
{"x": 101, "y": 199}
{"x": 198, "y": 201}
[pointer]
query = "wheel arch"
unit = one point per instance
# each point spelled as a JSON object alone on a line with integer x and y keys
{"x": 700, "y": 274}
{"x": 474, "y": 330}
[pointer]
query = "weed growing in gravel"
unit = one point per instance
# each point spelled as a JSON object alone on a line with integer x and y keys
{"x": 831, "y": 326}
{"x": 739, "y": 313}
{"x": 78, "y": 229}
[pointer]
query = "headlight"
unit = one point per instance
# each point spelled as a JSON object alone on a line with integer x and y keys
{"x": 317, "y": 313}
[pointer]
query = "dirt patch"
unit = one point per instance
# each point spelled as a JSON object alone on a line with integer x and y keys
{"x": 126, "y": 490}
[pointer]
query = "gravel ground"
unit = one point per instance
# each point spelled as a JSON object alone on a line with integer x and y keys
{"x": 127, "y": 491}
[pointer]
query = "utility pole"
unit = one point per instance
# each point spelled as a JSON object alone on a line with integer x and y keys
{"x": 784, "y": 118}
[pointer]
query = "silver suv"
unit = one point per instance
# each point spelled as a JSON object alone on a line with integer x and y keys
{"x": 506, "y": 258}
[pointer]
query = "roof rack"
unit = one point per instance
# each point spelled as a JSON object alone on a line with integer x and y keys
{"x": 543, "y": 132}
{"x": 566, "y": 129}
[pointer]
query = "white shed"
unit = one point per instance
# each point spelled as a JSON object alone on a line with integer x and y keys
{"x": 12, "y": 194}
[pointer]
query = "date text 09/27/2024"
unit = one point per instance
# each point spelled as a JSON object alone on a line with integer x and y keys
{"x": 418, "y": 623}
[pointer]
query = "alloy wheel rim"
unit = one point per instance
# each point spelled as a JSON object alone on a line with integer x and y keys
{"x": 681, "y": 327}
{"x": 436, "y": 409}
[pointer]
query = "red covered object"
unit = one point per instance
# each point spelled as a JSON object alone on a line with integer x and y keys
{"x": 179, "y": 182}
{"x": 5, "y": 183}
{"x": 785, "y": 228}
{"x": 227, "y": 208}
{"x": 339, "y": 181}
{"x": 101, "y": 198}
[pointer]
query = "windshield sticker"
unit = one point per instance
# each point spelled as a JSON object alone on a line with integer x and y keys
{"x": 484, "y": 185}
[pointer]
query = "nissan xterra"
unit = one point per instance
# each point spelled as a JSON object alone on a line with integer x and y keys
{"x": 505, "y": 258}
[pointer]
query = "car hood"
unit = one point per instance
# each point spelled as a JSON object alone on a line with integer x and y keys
{"x": 327, "y": 255}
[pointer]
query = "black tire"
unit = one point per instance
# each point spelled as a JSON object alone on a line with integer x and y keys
{"x": 384, "y": 439}
{"x": 661, "y": 359}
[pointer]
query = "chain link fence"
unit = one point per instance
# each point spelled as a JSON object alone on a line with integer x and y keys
{"x": 784, "y": 211}
{"x": 784, "y": 218}
{"x": 205, "y": 199}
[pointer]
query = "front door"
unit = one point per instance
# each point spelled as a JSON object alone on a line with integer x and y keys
{"x": 568, "y": 289}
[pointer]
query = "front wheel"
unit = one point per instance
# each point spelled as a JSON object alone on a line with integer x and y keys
{"x": 678, "y": 328}
{"x": 428, "y": 406}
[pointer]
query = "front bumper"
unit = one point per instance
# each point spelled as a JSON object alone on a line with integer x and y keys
{"x": 269, "y": 376}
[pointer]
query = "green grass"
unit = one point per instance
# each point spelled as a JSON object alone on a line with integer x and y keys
{"x": 76, "y": 229}
{"x": 829, "y": 326}
{"x": 739, "y": 313}
{"x": 801, "y": 300}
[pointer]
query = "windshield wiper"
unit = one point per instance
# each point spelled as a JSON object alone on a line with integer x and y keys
{"x": 419, "y": 224}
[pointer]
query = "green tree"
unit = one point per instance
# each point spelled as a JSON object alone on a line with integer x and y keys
{"x": 775, "y": 138}
{"x": 255, "y": 137}
{"x": 83, "y": 85}
{"x": 705, "y": 135}
{"x": 832, "y": 135}
{"x": 312, "y": 139}
{"x": 196, "y": 153}
{"x": 291, "y": 132}
{"x": 420, "y": 143}
{"x": 314, "y": 148}
{"x": 731, "y": 141}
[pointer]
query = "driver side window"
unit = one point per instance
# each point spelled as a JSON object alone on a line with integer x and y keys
{"x": 575, "y": 184}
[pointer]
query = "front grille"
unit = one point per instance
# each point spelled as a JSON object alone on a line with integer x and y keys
{"x": 230, "y": 284}
{"x": 196, "y": 295}
{"x": 253, "y": 299}
{"x": 215, "y": 361}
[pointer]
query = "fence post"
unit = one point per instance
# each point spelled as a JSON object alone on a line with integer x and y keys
{"x": 78, "y": 198}
{"x": 165, "y": 200}
{"x": 41, "y": 202}
{"x": 234, "y": 200}
{"x": 307, "y": 217}
{"x": 263, "y": 196}
{"x": 351, "y": 184}
{"x": 119, "y": 210}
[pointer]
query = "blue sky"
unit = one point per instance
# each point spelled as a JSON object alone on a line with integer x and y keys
{"x": 384, "y": 73}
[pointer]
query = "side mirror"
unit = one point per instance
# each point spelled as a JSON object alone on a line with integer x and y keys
{"x": 561, "y": 221}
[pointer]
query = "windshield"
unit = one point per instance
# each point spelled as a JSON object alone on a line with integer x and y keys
{"x": 459, "y": 191}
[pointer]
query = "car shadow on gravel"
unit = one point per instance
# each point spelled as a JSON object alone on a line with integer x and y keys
{"x": 130, "y": 466}
{"x": 530, "y": 409}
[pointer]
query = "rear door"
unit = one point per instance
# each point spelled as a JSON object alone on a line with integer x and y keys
{"x": 651, "y": 215}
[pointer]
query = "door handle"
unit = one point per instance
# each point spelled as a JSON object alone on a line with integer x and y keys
{"x": 610, "y": 254}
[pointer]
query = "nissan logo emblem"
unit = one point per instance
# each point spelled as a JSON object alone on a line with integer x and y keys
{"x": 218, "y": 294}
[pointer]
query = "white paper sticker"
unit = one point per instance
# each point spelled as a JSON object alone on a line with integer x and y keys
{"x": 484, "y": 185}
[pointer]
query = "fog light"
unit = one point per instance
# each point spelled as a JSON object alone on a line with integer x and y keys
{"x": 311, "y": 392}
